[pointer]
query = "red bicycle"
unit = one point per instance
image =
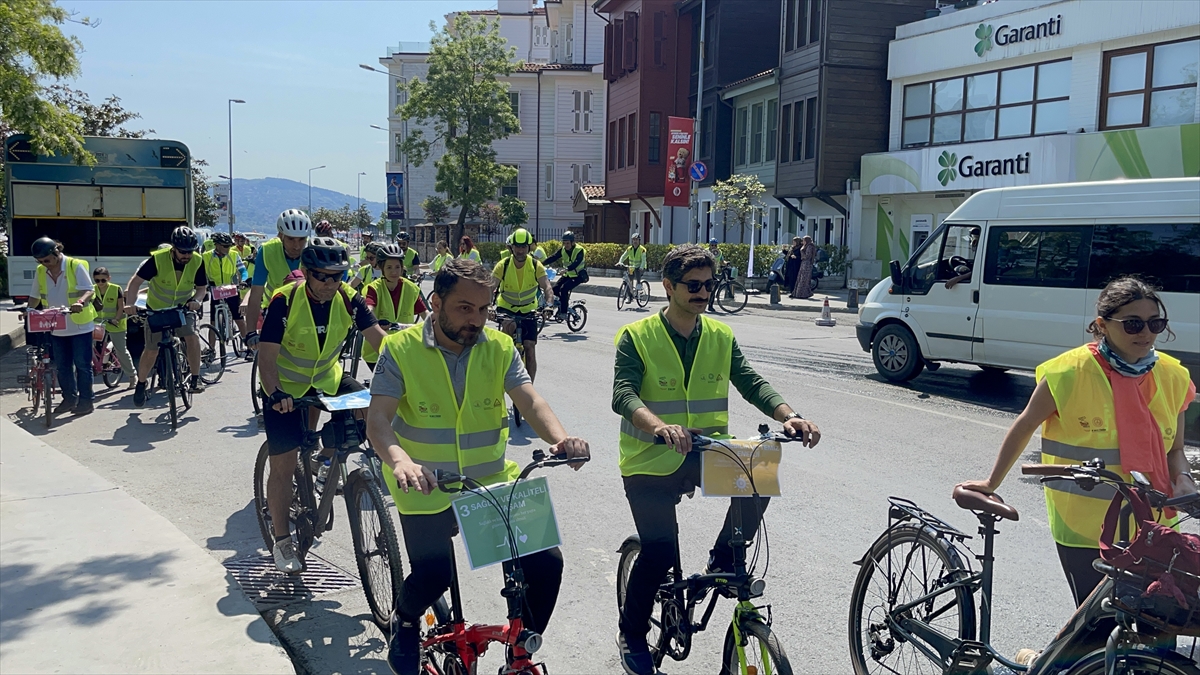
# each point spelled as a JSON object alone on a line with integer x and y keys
{"x": 104, "y": 359}
{"x": 450, "y": 646}
{"x": 40, "y": 379}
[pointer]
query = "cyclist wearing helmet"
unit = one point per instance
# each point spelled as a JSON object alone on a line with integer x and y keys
{"x": 245, "y": 251}
{"x": 412, "y": 260}
{"x": 305, "y": 325}
{"x": 323, "y": 228}
{"x": 635, "y": 255}
{"x": 366, "y": 241}
{"x": 395, "y": 300}
{"x": 66, "y": 282}
{"x": 275, "y": 259}
{"x": 221, "y": 266}
{"x": 368, "y": 270}
{"x": 176, "y": 278}
{"x": 574, "y": 270}
{"x": 519, "y": 278}
{"x": 717, "y": 255}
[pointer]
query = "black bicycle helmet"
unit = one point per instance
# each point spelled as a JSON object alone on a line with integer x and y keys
{"x": 385, "y": 251}
{"x": 568, "y": 236}
{"x": 372, "y": 247}
{"x": 184, "y": 240}
{"x": 43, "y": 247}
{"x": 222, "y": 239}
{"x": 402, "y": 236}
{"x": 325, "y": 253}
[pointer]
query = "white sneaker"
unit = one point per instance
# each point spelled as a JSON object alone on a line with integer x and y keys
{"x": 286, "y": 559}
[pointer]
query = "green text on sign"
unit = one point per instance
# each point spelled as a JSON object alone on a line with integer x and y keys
{"x": 531, "y": 515}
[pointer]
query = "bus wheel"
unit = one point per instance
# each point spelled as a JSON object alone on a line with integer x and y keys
{"x": 896, "y": 353}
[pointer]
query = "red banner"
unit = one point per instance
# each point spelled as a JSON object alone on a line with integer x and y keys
{"x": 679, "y": 160}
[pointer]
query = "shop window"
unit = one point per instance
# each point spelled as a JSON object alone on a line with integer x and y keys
{"x": 1153, "y": 85}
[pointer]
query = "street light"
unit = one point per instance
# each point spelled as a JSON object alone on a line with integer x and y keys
{"x": 360, "y": 175}
{"x": 229, "y": 106}
{"x": 310, "y": 186}
{"x": 403, "y": 130}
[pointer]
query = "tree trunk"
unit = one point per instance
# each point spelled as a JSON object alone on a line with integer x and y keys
{"x": 462, "y": 223}
{"x": 462, "y": 213}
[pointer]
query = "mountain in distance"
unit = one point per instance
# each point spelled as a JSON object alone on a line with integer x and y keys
{"x": 257, "y": 202}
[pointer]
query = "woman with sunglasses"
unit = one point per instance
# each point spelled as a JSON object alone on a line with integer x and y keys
{"x": 1115, "y": 399}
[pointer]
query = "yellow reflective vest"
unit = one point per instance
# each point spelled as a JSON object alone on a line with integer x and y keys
{"x": 1085, "y": 428}
{"x": 435, "y": 430}
{"x": 304, "y": 363}
{"x": 569, "y": 258}
{"x": 221, "y": 270}
{"x": 703, "y": 403}
{"x": 108, "y": 310}
{"x": 166, "y": 290}
{"x": 518, "y": 286}
{"x": 386, "y": 311}
{"x": 70, "y": 267}
{"x": 275, "y": 260}
{"x": 439, "y": 260}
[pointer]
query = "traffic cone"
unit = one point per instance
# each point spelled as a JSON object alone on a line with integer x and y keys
{"x": 826, "y": 317}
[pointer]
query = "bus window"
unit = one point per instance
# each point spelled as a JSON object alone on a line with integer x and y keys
{"x": 950, "y": 255}
{"x": 1168, "y": 255}
{"x": 1037, "y": 256}
{"x": 78, "y": 236}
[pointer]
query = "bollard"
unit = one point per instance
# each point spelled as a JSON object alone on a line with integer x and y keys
{"x": 852, "y": 299}
{"x": 826, "y": 316}
{"x": 775, "y": 300}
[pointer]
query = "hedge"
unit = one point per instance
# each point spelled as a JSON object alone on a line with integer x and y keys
{"x": 606, "y": 255}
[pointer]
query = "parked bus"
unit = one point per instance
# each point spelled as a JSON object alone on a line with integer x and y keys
{"x": 112, "y": 214}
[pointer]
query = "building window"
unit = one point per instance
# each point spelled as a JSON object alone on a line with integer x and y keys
{"x": 582, "y": 110}
{"x": 810, "y": 133}
{"x": 772, "y": 128}
{"x": 514, "y": 102}
{"x": 509, "y": 188}
{"x": 756, "y": 133}
{"x": 569, "y": 42}
{"x": 660, "y": 38}
{"x": 586, "y": 174}
{"x": 549, "y": 182}
{"x": 654, "y": 139}
{"x": 801, "y": 23}
{"x": 739, "y": 136}
{"x": 785, "y": 139}
{"x": 798, "y": 131}
{"x": 399, "y": 148}
{"x": 1154, "y": 85}
{"x": 621, "y": 141}
{"x": 632, "y": 139}
{"x": 541, "y": 36}
{"x": 587, "y": 111}
{"x": 1026, "y": 101}
{"x": 581, "y": 174}
{"x": 706, "y": 128}
{"x": 612, "y": 145}
{"x": 710, "y": 49}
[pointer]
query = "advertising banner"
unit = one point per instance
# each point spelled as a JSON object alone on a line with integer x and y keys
{"x": 395, "y": 195}
{"x": 679, "y": 159}
{"x": 221, "y": 198}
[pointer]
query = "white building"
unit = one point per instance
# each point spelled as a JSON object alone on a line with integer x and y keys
{"x": 407, "y": 61}
{"x": 1027, "y": 92}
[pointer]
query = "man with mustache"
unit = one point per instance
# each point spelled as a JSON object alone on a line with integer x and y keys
{"x": 437, "y": 401}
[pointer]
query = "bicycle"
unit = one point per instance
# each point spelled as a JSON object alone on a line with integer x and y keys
{"x": 919, "y": 557}
{"x": 220, "y": 333}
{"x": 627, "y": 295}
{"x": 449, "y": 646}
{"x": 376, "y": 547}
{"x": 677, "y": 597}
{"x": 352, "y": 352}
{"x": 39, "y": 382}
{"x": 417, "y": 278}
{"x": 502, "y": 316}
{"x": 104, "y": 359}
{"x": 575, "y": 317}
{"x": 730, "y": 294}
{"x": 168, "y": 370}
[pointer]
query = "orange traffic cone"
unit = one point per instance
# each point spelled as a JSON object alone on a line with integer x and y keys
{"x": 826, "y": 317}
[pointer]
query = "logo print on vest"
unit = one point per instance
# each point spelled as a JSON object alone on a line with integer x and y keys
{"x": 435, "y": 408}
{"x": 1083, "y": 422}
{"x": 421, "y": 407}
{"x": 1097, "y": 422}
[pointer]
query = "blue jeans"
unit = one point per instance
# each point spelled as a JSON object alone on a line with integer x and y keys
{"x": 73, "y": 358}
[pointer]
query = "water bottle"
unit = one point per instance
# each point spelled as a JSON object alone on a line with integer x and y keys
{"x": 322, "y": 474}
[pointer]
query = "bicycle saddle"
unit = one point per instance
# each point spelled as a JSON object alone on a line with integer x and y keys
{"x": 977, "y": 501}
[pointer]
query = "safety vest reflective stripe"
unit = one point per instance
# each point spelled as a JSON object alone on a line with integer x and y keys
{"x": 165, "y": 289}
{"x": 1111, "y": 457}
{"x": 467, "y": 441}
{"x": 520, "y": 298}
{"x": 70, "y": 269}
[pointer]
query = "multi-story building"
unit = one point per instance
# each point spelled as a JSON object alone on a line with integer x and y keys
{"x": 404, "y": 62}
{"x": 1053, "y": 91}
{"x": 754, "y": 129}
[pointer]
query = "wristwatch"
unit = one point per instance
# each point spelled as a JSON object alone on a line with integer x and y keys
{"x": 793, "y": 415}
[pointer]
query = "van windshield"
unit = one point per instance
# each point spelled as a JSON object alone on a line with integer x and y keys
{"x": 948, "y": 256}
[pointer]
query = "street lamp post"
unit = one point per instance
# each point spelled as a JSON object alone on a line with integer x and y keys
{"x": 359, "y": 195}
{"x": 403, "y": 132}
{"x": 229, "y": 105}
{"x": 310, "y": 186}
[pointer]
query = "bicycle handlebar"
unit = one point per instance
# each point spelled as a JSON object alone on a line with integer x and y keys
{"x": 540, "y": 459}
{"x": 1094, "y": 472}
{"x": 703, "y": 443}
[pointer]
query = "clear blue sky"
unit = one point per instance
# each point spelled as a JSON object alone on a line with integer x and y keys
{"x": 294, "y": 63}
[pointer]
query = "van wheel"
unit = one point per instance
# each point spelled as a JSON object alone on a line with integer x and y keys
{"x": 993, "y": 370}
{"x": 896, "y": 353}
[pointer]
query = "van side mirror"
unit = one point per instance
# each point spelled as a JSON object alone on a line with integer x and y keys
{"x": 895, "y": 269}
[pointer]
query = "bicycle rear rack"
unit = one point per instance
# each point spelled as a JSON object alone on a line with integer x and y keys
{"x": 904, "y": 509}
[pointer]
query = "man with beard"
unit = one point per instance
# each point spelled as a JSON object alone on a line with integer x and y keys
{"x": 302, "y": 335}
{"x": 437, "y": 401}
{"x": 673, "y": 372}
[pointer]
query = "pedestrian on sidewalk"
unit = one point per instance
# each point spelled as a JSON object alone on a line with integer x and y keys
{"x": 803, "y": 288}
{"x": 61, "y": 281}
{"x": 793, "y": 263}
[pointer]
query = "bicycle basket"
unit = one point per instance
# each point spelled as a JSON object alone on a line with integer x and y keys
{"x": 1152, "y": 595}
{"x": 46, "y": 320}
{"x": 223, "y": 292}
{"x": 98, "y": 333}
{"x": 167, "y": 319}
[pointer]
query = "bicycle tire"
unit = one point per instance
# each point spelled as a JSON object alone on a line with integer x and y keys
{"x": 621, "y": 295}
{"x": 254, "y": 397}
{"x": 376, "y": 547}
{"x": 865, "y": 649}
{"x": 576, "y": 318}
{"x": 1137, "y": 663}
{"x": 732, "y": 296}
{"x": 168, "y": 374}
{"x": 212, "y": 356}
{"x": 262, "y": 512}
{"x": 643, "y": 293}
{"x": 182, "y": 374}
{"x": 110, "y": 367}
{"x": 35, "y": 392}
{"x": 48, "y": 395}
{"x": 759, "y": 639}
{"x": 630, "y": 549}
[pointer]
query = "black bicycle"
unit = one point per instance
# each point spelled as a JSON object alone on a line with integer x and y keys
{"x": 501, "y": 317}
{"x": 170, "y": 364}
{"x": 222, "y": 336}
{"x": 317, "y": 479}
{"x": 730, "y": 294}
{"x": 913, "y": 607}
{"x": 750, "y": 644}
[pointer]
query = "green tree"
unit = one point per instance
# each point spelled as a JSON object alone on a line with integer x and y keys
{"x": 382, "y": 223}
{"x": 361, "y": 217}
{"x": 467, "y": 107}
{"x": 104, "y": 119}
{"x": 739, "y": 196}
{"x": 436, "y": 209}
{"x": 512, "y": 212}
{"x": 206, "y": 207}
{"x": 32, "y": 49}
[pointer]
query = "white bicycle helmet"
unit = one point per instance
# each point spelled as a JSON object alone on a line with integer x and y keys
{"x": 294, "y": 223}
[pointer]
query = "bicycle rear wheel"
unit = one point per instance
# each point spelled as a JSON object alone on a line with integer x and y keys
{"x": 732, "y": 296}
{"x": 903, "y": 565}
{"x": 375, "y": 545}
{"x": 262, "y": 473}
{"x": 254, "y": 398}
{"x": 576, "y": 318}
{"x": 212, "y": 354}
{"x": 759, "y": 645}
{"x": 48, "y": 395}
{"x": 643, "y": 293}
{"x": 1137, "y": 663}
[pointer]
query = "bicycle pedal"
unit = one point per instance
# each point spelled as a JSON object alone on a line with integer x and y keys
{"x": 970, "y": 657}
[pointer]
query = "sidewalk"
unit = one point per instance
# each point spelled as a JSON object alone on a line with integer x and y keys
{"x": 608, "y": 287}
{"x": 92, "y": 580}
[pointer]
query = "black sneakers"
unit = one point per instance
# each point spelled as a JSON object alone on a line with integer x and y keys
{"x": 67, "y": 405}
{"x": 404, "y": 647}
{"x": 139, "y": 394}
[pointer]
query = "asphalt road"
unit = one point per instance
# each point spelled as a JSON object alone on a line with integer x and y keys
{"x": 879, "y": 439}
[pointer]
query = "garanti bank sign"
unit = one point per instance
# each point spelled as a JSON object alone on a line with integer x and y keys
{"x": 970, "y": 166}
{"x": 989, "y": 36}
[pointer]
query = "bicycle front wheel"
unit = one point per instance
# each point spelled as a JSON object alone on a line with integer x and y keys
{"x": 732, "y": 296}
{"x": 254, "y": 386}
{"x": 212, "y": 354}
{"x": 759, "y": 647}
{"x": 110, "y": 367}
{"x": 643, "y": 293}
{"x": 1137, "y": 663}
{"x": 168, "y": 372}
{"x": 375, "y": 545}
{"x": 577, "y": 318}
{"x": 621, "y": 296}
{"x": 902, "y": 566}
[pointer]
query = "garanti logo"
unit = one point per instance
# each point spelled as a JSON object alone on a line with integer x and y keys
{"x": 948, "y": 173}
{"x": 984, "y": 34}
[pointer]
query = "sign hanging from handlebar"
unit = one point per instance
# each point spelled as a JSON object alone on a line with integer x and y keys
{"x": 485, "y": 534}
{"x": 722, "y": 476}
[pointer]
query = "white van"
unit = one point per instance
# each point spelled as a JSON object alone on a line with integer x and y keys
{"x": 1011, "y": 278}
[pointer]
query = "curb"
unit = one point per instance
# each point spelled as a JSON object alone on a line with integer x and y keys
{"x": 611, "y": 292}
{"x": 11, "y": 340}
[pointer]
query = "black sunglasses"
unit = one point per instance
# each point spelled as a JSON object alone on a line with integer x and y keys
{"x": 1135, "y": 325}
{"x": 694, "y": 286}
{"x": 321, "y": 276}
{"x": 99, "y": 278}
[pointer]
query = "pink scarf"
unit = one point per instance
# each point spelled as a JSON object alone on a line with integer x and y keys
{"x": 1138, "y": 436}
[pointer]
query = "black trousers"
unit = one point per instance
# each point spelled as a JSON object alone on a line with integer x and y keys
{"x": 427, "y": 539}
{"x": 1077, "y": 565}
{"x": 563, "y": 288}
{"x": 653, "y": 499}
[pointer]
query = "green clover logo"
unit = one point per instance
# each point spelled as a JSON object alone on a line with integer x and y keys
{"x": 947, "y": 161}
{"x": 984, "y": 33}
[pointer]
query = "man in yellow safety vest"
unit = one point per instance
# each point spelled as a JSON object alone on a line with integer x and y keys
{"x": 61, "y": 281}
{"x": 276, "y": 259}
{"x": 519, "y": 277}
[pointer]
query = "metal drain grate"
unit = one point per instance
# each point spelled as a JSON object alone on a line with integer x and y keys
{"x": 269, "y": 588}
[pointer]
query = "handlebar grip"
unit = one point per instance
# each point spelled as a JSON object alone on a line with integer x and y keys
{"x": 1047, "y": 469}
{"x": 445, "y": 478}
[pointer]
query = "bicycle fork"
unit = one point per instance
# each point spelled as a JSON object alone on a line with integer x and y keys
{"x": 745, "y": 610}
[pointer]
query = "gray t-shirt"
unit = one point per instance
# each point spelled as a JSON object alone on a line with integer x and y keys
{"x": 389, "y": 381}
